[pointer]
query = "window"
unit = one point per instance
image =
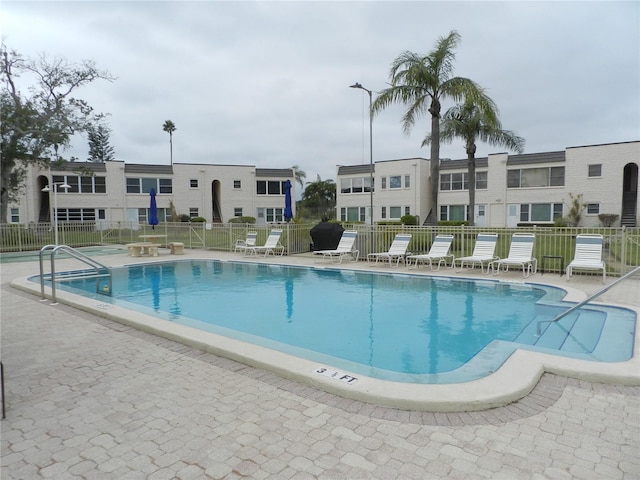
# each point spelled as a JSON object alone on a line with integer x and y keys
{"x": 395, "y": 212}
{"x": 15, "y": 215}
{"x": 82, "y": 184}
{"x": 193, "y": 183}
{"x": 102, "y": 214}
{"x": 194, "y": 212}
{"x": 355, "y": 185}
{"x": 383, "y": 213}
{"x": 595, "y": 170}
{"x": 383, "y": 183}
{"x": 458, "y": 181}
{"x": 540, "y": 212}
{"x": 143, "y": 214}
{"x": 395, "y": 181}
{"x": 80, "y": 214}
{"x": 536, "y": 177}
{"x": 274, "y": 214}
{"x": 144, "y": 185}
{"x": 269, "y": 187}
{"x": 453, "y": 213}
{"x": 237, "y": 184}
{"x": 237, "y": 212}
{"x": 407, "y": 181}
{"x": 353, "y": 214}
{"x": 407, "y": 210}
{"x": 593, "y": 208}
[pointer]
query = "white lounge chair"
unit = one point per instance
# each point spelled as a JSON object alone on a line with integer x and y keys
{"x": 588, "y": 255}
{"x": 397, "y": 251}
{"x": 520, "y": 255}
{"x": 439, "y": 251}
{"x": 483, "y": 252}
{"x": 248, "y": 242}
{"x": 344, "y": 248}
{"x": 270, "y": 246}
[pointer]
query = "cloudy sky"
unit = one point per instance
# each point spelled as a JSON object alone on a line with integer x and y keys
{"x": 267, "y": 83}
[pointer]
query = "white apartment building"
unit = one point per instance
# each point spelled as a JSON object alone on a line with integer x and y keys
{"x": 527, "y": 189}
{"x": 116, "y": 191}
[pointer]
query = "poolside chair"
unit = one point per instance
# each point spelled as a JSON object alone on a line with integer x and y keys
{"x": 397, "y": 251}
{"x": 248, "y": 242}
{"x": 439, "y": 251}
{"x": 588, "y": 255}
{"x": 520, "y": 255}
{"x": 271, "y": 246}
{"x": 344, "y": 248}
{"x": 483, "y": 252}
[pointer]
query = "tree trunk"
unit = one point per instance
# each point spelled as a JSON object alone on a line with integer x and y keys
{"x": 435, "y": 168}
{"x": 472, "y": 186}
{"x": 5, "y": 183}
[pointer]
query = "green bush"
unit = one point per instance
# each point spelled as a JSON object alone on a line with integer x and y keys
{"x": 452, "y": 223}
{"x": 409, "y": 220}
{"x": 198, "y": 220}
{"x": 243, "y": 220}
{"x": 560, "y": 222}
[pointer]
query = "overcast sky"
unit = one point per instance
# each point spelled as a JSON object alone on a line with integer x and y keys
{"x": 267, "y": 83}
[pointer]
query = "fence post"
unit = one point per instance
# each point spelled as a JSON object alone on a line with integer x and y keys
{"x": 623, "y": 249}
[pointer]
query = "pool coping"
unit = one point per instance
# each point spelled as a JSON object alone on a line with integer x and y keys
{"x": 517, "y": 377}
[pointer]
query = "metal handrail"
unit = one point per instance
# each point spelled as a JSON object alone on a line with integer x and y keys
{"x": 587, "y": 300}
{"x": 54, "y": 249}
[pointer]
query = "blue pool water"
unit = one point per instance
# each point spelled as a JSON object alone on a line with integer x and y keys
{"x": 391, "y": 326}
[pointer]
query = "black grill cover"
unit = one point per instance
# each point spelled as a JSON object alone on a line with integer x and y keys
{"x": 326, "y": 236}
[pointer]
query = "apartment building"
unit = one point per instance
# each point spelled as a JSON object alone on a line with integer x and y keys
{"x": 116, "y": 191}
{"x": 511, "y": 190}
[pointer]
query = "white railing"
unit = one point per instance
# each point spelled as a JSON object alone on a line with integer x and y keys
{"x": 621, "y": 252}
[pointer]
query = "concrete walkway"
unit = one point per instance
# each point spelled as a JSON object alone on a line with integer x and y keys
{"x": 90, "y": 398}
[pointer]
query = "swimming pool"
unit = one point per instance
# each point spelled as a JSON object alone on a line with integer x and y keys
{"x": 399, "y": 327}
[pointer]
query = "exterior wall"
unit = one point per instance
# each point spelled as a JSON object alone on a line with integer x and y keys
{"x": 116, "y": 202}
{"x": 503, "y": 204}
{"x": 415, "y": 197}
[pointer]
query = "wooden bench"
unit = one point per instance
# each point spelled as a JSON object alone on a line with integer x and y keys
{"x": 143, "y": 248}
{"x": 177, "y": 248}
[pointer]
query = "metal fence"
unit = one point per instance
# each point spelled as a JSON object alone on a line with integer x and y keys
{"x": 553, "y": 246}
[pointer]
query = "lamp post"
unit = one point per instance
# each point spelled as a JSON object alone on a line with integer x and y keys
{"x": 56, "y": 188}
{"x": 357, "y": 85}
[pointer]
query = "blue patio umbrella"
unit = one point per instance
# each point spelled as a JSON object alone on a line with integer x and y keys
{"x": 288, "y": 213}
{"x": 153, "y": 210}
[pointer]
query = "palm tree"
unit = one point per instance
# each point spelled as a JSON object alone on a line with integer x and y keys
{"x": 299, "y": 174}
{"x": 422, "y": 82}
{"x": 471, "y": 123}
{"x": 169, "y": 127}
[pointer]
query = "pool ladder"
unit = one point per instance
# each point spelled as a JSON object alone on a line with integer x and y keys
{"x": 587, "y": 300}
{"x": 99, "y": 270}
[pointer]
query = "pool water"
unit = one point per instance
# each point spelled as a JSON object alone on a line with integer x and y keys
{"x": 392, "y": 326}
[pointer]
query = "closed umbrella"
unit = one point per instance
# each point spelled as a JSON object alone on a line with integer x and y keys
{"x": 153, "y": 210}
{"x": 288, "y": 213}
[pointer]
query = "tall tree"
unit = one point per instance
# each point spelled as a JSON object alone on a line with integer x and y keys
{"x": 471, "y": 123}
{"x": 422, "y": 82}
{"x": 299, "y": 174}
{"x": 169, "y": 127}
{"x": 34, "y": 125}
{"x": 99, "y": 149}
{"x": 320, "y": 196}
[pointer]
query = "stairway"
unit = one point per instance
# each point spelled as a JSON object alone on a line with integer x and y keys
{"x": 628, "y": 217}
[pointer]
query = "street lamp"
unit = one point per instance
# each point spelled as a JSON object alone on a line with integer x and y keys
{"x": 357, "y": 85}
{"x": 57, "y": 186}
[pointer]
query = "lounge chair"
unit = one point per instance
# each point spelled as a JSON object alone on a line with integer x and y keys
{"x": 248, "y": 242}
{"x": 344, "y": 248}
{"x": 397, "y": 251}
{"x": 270, "y": 246}
{"x": 483, "y": 252}
{"x": 588, "y": 255}
{"x": 439, "y": 251}
{"x": 520, "y": 255}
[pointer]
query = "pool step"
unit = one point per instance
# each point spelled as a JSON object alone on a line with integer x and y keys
{"x": 577, "y": 332}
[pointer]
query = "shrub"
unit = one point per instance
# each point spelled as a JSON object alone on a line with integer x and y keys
{"x": 243, "y": 220}
{"x": 185, "y": 218}
{"x": 409, "y": 220}
{"x": 560, "y": 222}
{"x": 452, "y": 223}
{"x": 198, "y": 220}
{"x": 608, "y": 219}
